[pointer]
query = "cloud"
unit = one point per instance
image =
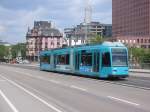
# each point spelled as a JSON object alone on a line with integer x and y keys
{"x": 16, "y": 16}
{"x": 2, "y": 29}
{"x": 17, "y": 22}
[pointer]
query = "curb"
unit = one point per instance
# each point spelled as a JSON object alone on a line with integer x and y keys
{"x": 139, "y": 72}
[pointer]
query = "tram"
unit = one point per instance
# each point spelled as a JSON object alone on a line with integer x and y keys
{"x": 109, "y": 59}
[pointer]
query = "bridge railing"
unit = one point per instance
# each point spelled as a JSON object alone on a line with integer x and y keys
{"x": 140, "y": 66}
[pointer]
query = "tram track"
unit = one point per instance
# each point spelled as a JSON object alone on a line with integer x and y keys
{"x": 131, "y": 81}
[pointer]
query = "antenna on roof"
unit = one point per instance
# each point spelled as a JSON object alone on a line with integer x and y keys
{"x": 87, "y": 18}
{"x": 88, "y": 11}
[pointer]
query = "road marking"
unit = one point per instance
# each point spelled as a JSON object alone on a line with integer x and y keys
{"x": 9, "y": 102}
{"x": 122, "y": 100}
{"x": 75, "y": 87}
{"x": 39, "y": 77}
{"x": 123, "y": 84}
{"x": 32, "y": 94}
{"x": 131, "y": 85}
{"x": 24, "y": 73}
{"x": 36, "y": 65}
{"x": 54, "y": 81}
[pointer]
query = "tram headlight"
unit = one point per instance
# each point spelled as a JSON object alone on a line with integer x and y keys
{"x": 114, "y": 71}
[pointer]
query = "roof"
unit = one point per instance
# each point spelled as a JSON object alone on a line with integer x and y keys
{"x": 113, "y": 44}
{"x": 50, "y": 32}
{"x": 104, "y": 44}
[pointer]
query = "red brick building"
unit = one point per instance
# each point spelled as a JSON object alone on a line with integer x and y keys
{"x": 131, "y": 22}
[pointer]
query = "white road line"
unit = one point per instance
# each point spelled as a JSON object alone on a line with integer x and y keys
{"x": 39, "y": 77}
{"x": 33, "y": 95}
{"x": 130, "y": 85}
{"x": 54, "y": 81}
{"x": 75, "y": 87}
{"x": 33, "y": 65}
{"x": 51, "y": 80}
{"x": 24, "y": 73}
{"x": 9, "y": 102}
{"x": 122, "y": 100}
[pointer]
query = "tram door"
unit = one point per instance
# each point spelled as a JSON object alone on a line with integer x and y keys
{"x": 55, "y": 60}
{"x": 96, "y": 61}
{"x": 77, "y": 60}
{"x": 106, "y": 64}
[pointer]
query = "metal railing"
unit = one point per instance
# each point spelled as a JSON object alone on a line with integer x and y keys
{"x": 140, "y": 66}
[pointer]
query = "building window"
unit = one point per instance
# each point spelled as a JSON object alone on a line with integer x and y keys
{"x": 141, "y": 40}
{"x": 130, "y": 41}
{"x": 52, "y": 43}
{"x": 138, "y": 41}
{"x": 58, "y": 43}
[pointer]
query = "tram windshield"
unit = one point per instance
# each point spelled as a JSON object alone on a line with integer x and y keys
{"x": 119, "y": 57}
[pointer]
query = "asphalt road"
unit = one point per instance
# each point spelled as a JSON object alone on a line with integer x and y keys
{"x": 31, "y": 90}
{"x": 136, "y": 80}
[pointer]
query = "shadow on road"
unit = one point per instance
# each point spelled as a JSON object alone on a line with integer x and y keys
{"x": 90, "y": 77}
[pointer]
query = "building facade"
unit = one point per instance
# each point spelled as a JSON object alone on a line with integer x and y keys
{"x": 107, "y": 32}
{"x": 77, "y": 35}
{"x": 42, "y": 37}
{"x": 131, "y": 22}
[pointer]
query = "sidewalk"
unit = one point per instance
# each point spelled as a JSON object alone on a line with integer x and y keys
{"x": 140, "y": 71}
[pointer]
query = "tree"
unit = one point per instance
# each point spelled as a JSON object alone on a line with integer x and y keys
{"x": 146, "y": 56}
{"x": 97, "y": 39}
{"x": 139, "y": 55}
{"x": 4, "y": 51}
{"x": 15, "y": 49}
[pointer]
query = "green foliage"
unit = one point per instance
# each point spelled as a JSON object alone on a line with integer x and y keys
{"x": 21, "y": 47}
{"x": 140, "y": 55}
{"x": 146, "y": 57}
{"x": 97, "y": 39}
{"x": 4, "y": 51}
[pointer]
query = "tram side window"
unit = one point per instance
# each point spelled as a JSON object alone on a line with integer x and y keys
{"x": 45, "y": 59}
{"x": 63, "y": 59}
{"x": 86, "y": 59}
{"x": 106, "y": 59}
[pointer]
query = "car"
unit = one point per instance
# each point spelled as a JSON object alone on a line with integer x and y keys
{"x": 25, "y": 62}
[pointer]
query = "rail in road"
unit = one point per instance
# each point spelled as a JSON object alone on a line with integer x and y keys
{"x": 28, "y": 90}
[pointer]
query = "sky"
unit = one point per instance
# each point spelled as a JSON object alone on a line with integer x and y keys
{"x": 17, "y": 15}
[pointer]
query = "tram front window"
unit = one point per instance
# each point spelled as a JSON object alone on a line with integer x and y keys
{"x": 119, "y": 57}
